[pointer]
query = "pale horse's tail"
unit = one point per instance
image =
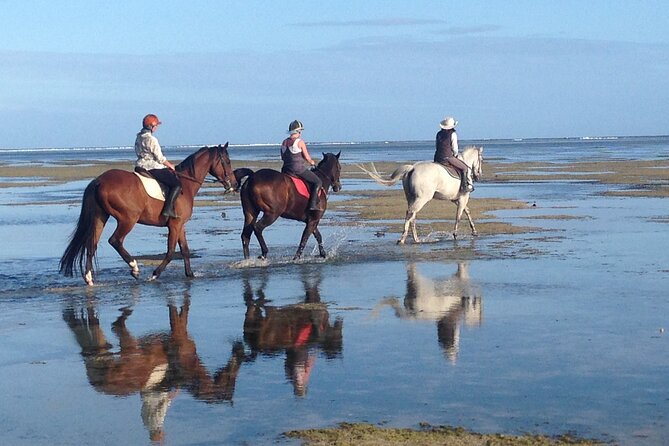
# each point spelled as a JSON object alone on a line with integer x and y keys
{"x": 393, "y": 179}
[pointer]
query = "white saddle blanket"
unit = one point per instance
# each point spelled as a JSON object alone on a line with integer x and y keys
{"x": 153, "y": 187}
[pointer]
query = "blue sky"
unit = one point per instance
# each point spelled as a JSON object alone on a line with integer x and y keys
{"x": 83, "y": 73}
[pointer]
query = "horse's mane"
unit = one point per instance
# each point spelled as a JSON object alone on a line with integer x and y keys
{"x": 189, "y": 163}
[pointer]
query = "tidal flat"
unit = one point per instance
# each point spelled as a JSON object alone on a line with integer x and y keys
{"x": 549, "y": 324}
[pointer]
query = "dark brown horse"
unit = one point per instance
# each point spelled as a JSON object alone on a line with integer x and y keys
{"x": 275, "y": 195}
{"x": 120, "y": 194}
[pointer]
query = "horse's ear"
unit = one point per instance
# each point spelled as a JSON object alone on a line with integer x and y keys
{"x": 226, "y": 145}
{"x": 337, "y": 155}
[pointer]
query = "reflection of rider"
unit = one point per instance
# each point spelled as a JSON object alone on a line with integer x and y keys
{"x": 155, "y": 402}
{"x": 447, "y": 152}
{"x": 150, "y": 157}
{"x": 295, "y": 155}
{"x": 299, "y": 330}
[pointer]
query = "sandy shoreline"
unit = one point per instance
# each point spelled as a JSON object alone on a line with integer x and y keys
{"x": 626, "y": 178}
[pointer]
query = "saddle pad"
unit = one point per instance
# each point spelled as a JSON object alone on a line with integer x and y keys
{"x": 152, "y": 187}
{"x": 302, "y": 188}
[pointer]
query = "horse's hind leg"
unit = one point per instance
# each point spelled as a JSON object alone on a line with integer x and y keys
{"x": 100, "y": 222}
{"x": 410, "y": 220}
{"x": 116, "y": 240}
{"x": 249, "y": 222}
{"x": 259, "y": 227}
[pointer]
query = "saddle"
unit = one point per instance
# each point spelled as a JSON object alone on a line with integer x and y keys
{"x": 452, "y": 171}
{"x": 153, "y": 187}
{"x": 302, "y": 188}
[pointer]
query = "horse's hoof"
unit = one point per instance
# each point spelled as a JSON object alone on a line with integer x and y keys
{"x": 475, "y": 234}
{"x": 88, "y": 278}
{"x": 153, "y": 278}
{"x": 455, "y": 236}
{"x": 135, "y": 274}
{"x": 400, "y": 242}
{"x": 262, "y": 258}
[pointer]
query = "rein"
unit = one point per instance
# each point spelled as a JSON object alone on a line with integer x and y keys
{"x": 188, "y": 177}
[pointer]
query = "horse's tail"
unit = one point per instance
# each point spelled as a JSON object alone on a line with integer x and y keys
{"x": 240, "y": 174}
{"x": 393, "y": 179}
{"x": 83, "y": 237}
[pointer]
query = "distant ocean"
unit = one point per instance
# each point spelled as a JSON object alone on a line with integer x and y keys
{"x": 501, "y": 150}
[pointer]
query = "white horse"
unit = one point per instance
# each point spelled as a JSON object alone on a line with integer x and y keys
{"x": 426, "y": 180}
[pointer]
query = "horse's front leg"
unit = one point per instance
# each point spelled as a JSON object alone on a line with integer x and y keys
{"x": 471, "y": 222}
{"x": 308, "y": 230}
{"x": 319, "y": 239}
{"x": 462, "y": 204}
{"x": 172, "y": 235}
{"x": 116, "y": 240}
{"x": 185, "y": 253}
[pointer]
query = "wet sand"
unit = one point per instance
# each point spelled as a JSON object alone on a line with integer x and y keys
{"x": 384, "y": 209}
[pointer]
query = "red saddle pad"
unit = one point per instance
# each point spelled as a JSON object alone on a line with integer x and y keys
{"x": 302, "y": 188}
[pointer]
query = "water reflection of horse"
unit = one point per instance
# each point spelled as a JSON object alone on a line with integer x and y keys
{"x": 275, "y": 195}
{"x": 424, "y": 181}
{"x": 156, "y": 365}
{"x": 299, "y": 330}
{"x": 121, "y": 194}
{"x": 447, "y": 301}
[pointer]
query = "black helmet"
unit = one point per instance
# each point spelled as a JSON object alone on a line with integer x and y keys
{"x": 295, "y": 126}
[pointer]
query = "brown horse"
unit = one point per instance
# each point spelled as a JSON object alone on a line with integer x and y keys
{"x": 156, "y": 365}
{"x": 120, "y": 194}
{"x": 275, "y": 195}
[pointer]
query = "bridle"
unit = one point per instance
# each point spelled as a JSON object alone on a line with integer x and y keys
{"x": 327, "y": 175}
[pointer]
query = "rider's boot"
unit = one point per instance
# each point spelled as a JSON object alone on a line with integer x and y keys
{"x": 313, "y": 199}
{"x": 463, "y": 181}
{"x": 168, "y": 209}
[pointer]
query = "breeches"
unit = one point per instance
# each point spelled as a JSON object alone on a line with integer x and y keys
{"x": 311, "y": 178}
{"x": 166, "y": 177}
{"x": 457, "y": 163}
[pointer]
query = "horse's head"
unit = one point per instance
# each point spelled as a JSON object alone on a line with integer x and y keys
{"x": 331, "y": 169}
{"x": 221, "y": 168}
{"x": 473, "y": 157}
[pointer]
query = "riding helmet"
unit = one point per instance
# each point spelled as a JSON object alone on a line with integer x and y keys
{"x": 150, "y": 120}
{"x": 295, "y": 126}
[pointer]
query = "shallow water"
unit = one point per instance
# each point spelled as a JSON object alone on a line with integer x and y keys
{"x": 544, "y": 332}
